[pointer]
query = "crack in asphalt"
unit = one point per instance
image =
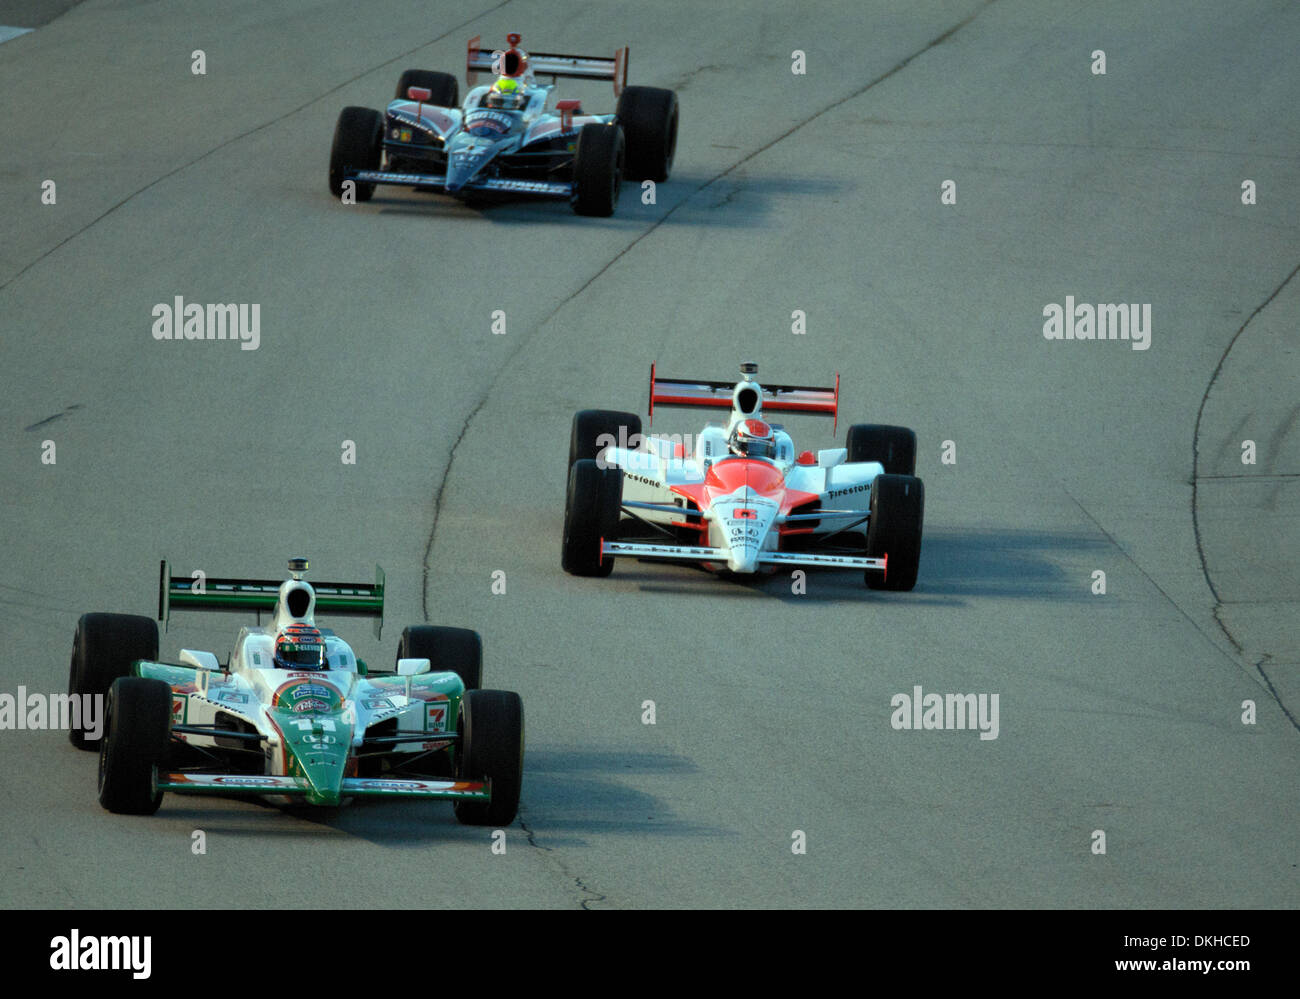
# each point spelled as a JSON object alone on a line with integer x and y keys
{"x": 243, "y": 135}
{"x": 1196, "y": 523}
{"x": 583, "y": 903}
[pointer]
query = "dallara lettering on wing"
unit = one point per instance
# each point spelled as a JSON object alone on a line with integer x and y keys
{"x": 534, "y": 186}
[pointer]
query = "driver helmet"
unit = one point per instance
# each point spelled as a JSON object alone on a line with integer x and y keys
{"x": 752, "y": 439}
{"x": 299, "y": 646}
{"x": 507, "y": 92}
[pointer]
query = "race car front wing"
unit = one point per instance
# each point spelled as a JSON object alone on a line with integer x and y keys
{"x": 254, "y": 784}
{"x": 689, "y": 553}
{"x": 543, "y": 188}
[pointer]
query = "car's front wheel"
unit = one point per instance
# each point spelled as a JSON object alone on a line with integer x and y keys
{"x": 137, "y": 724}
{"x": 358, "y": 145}
{"x": 894, "y": 530}
{"x": 597, "y": 170}
{"x": 491, "y": 748}
{"x": 591, "y": 510}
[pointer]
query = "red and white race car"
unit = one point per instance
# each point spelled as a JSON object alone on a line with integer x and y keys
{"x": 737, "y": 498}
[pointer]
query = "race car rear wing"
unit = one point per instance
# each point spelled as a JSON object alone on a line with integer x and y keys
{"x": 205, "y": 593}
{"x": 480, "y": 60}
{"x": 776, "y": 398}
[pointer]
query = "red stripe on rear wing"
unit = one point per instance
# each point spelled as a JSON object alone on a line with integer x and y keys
{"x": 776, "y": 398}
{"x": 479, "y": 60}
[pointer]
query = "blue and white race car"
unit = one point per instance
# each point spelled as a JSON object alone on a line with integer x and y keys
{"x": 509, "y": 137}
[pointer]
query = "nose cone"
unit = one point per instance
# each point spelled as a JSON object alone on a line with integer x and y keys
{"x": 318, "y": 752}
{"x": 743, "y": 558}
{"x": 463, "y": 165}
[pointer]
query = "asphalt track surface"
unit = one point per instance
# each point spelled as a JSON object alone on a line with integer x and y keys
{"x": 1119, "y": 712}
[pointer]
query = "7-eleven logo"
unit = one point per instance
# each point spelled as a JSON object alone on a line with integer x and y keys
{"x": 435, "y": 717}
{"x": 178, "y": 708}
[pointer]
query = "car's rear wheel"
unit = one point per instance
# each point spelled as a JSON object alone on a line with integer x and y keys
{"x": 597, "y": 169}
{"x": 893, "y": 447}
{"x": 137, "y": 721}
{"x": 104, "y": 648}
{"x": 458, "y": 650}
{"x": 444, "y": 88}
{"x": 897, "y": 511}
{"x": 591, "y": 509}
{"x": 491, "y": 748}
{"x": 649, "y": 119}
{"x": 591, "y": 425}
{"x": 358, "y": 145}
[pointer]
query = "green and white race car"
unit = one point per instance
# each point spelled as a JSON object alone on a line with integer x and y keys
{"x": 294, "y": 714}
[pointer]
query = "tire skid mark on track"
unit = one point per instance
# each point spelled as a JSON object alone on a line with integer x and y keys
{"x": 245, "y": 134}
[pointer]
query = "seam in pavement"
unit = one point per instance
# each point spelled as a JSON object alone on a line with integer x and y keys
{"x": 1147, "y": 576}
{"x": 243, "y": 135}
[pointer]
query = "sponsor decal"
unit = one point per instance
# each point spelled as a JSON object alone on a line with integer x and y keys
{"x": 851, "y": 489}
{"x": 397, "y": 178}
{"x": 232, "y": 697}
{"x": 179, "y": 708}
{"x": 527, "y": 186}
{"x": 311, "y": 690}
{"x": 310, "y": 705}
{"x": 492, "y": 120}
{"x": 393, "y": 785}
{"x": 435, "y": 716}
{"x": 246, "y": 781}
{"x": 377, "y": 703}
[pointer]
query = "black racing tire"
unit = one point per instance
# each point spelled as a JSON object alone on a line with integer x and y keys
{"x": 893, "y": 447}
{"x": 897, "y": 511}
{"x": 597, "y": 170}
{"x": 491, "y": 747}
{"x": 590, "y": 425}
{"x": 591, "y": 511}
{"x": 444, "y": 88}
{"x": 649, "y": 119}
{"x": 358, "y": 145}
{"x": 137, "y": 721}
{"x": 458, "y": 650}
{"x": 104, "y": 648}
